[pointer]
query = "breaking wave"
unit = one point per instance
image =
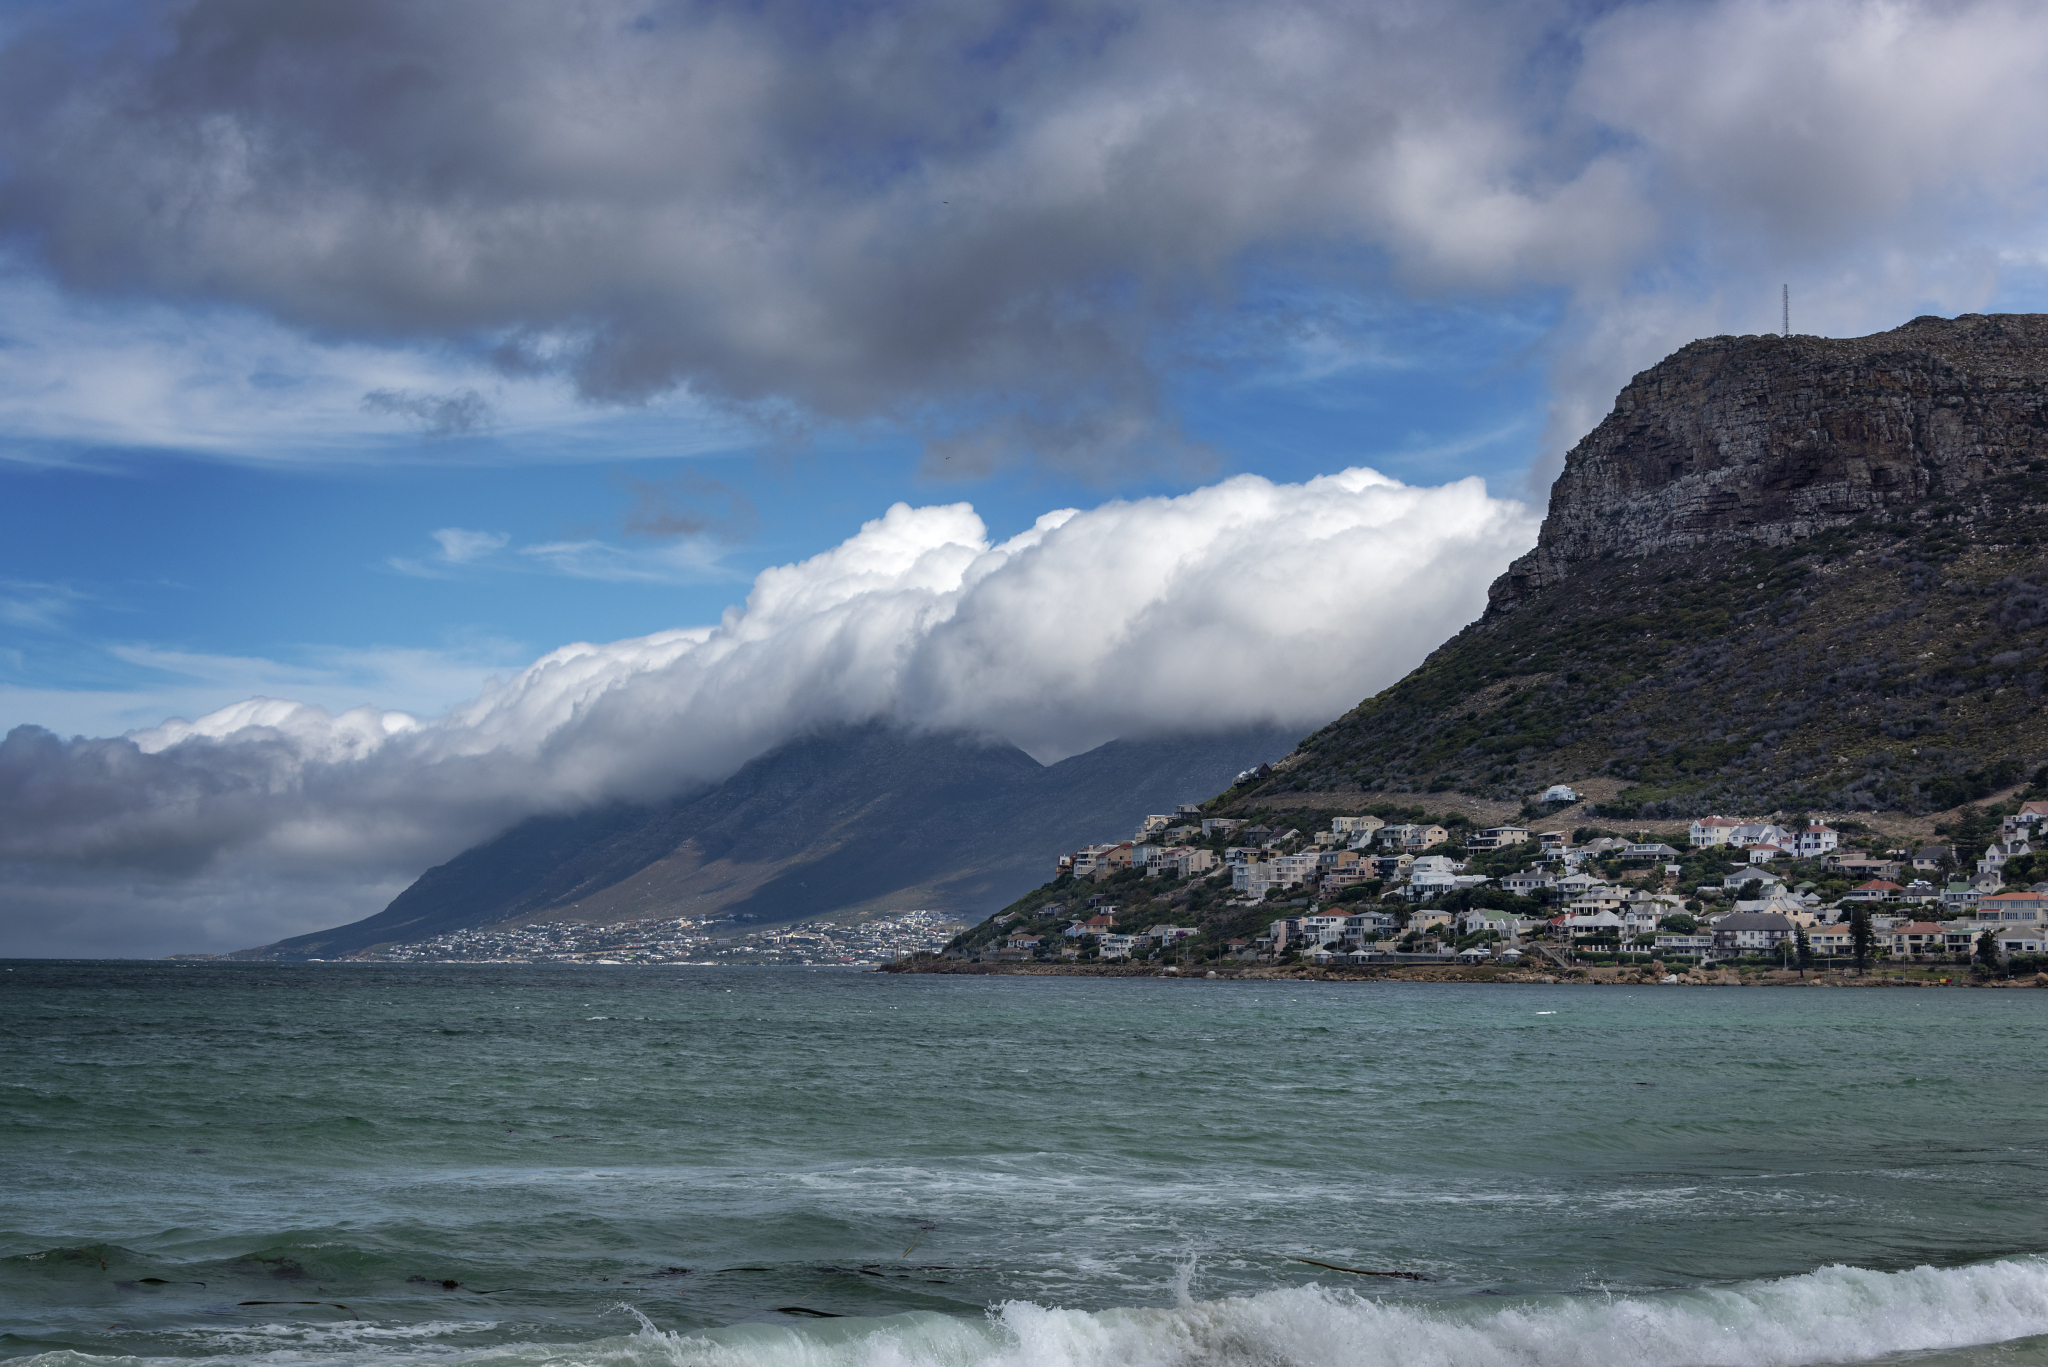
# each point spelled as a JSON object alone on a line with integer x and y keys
{"x": 1835, "y": 1315}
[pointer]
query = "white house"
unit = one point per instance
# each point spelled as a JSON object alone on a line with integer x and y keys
{"x": 1599, "y": 897}
{"x": 2016, "y": 940}
{"x": 1753, "y": 932}
{"x": 1996, "y": 855}
{"x": 2026, "y": 908}
{"x": 1960, "y": 897}
{"x": 1479, "y": 920}
{"x": 1595, "y": 923}
{"x": 1560, "y": 792}
{"x": 1831, "y": 941}
{"x": 1712, "y": 830}
{"x": 1815, "y": 841}
{"x": 1758, "y": 833}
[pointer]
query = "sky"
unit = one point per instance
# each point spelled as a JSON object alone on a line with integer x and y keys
{"x": 415, "y": 418}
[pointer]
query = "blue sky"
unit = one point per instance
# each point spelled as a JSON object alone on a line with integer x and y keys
{"x": 359, "y": 359}
{"x": 144, "y": 581}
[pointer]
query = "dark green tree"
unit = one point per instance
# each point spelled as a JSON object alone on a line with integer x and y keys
{"x": 1861, "y": 937}
{"x": 1803, "y": 948}
{"x": 1987, "y": 951}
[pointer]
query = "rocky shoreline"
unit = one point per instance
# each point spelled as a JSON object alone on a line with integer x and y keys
{"x": 1583, "y": 977}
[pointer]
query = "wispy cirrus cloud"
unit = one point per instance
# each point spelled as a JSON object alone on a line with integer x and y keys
{"x": 460, "y": 546}
{"x": 39, "y": 606}
{"x": 679, "y": 558}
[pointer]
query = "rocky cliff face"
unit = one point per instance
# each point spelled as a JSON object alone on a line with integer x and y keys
{"x": 1784, "y": 574}
{"x": 1768, "y": 440}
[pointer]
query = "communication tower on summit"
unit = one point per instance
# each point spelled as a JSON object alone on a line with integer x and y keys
{"x": 1787, "y": 301}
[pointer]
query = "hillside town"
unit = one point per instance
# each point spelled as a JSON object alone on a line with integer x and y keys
{"x": 682, "y": 940}
{"x": 1398, "y": 886}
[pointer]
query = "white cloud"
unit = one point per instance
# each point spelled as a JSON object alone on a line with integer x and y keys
{"x": 79, "y": 379}
{"x": 460, "y": 547}
{"x": 1241, "y": 603}
{"x": 173, "y": 683}
{"x": 685, "y": 559}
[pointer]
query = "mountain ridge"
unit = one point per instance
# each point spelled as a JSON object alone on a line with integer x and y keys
{"x": 1782, "y": 574}
{"x": 859, "y": 817}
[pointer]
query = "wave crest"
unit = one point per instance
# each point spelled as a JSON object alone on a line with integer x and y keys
{"x": 1834, "y": 1315}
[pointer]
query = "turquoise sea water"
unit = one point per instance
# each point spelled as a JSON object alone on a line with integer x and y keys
{"x": 676, "y": 1166}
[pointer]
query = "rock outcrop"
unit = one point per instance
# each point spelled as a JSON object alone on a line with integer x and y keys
{"x": 1771, "y": 439}
{"x": 1783, "y": 574}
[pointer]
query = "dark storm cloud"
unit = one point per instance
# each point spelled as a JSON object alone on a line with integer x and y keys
{"x": 935, "y": 214}
{"x": 1004, "y": 223}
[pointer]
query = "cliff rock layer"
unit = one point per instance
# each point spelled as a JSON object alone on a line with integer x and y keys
{"x": 1768, "y": 440}
{"x": 1784, "y": 573}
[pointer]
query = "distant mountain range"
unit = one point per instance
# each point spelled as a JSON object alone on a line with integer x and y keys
{"x": 1784, "y": 573}
{"x": 867, "y": 818}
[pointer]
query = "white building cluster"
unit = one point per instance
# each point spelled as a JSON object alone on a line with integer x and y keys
{"x": 1752, "y": 910}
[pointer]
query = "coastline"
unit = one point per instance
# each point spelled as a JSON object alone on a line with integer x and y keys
{"x": 1449, "y": 973}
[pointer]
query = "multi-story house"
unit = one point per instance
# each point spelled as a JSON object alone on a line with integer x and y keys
{"x": 1815, "y": 841}
{"x": 2007, "y": 908}
{"x": 1751, "y": 932}
{"x": 1709, "y": 831}
{"x": 1355, "y": 829}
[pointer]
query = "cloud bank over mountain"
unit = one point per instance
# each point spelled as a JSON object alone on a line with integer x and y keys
{"x": 1011, "y": 225}
{"x": 1240, "y": 603}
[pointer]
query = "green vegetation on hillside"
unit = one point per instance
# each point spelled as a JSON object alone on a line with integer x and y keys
{"x": 1893, "y": 665}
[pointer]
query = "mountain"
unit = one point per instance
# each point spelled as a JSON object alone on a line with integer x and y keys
{"x": 1785, "y": 573}
{"x": 867, "y": 817}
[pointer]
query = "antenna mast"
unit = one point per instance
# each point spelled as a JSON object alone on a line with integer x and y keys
{"x": 1787, "y": 300}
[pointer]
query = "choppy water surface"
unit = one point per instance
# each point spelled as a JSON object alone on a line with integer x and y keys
{"x": 554, "y": 1165}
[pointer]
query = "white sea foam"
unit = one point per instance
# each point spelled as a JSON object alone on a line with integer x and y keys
{"x": 1834, "y": 1315}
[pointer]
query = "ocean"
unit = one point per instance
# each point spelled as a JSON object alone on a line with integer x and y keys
{"x": 526, "y": 1166}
